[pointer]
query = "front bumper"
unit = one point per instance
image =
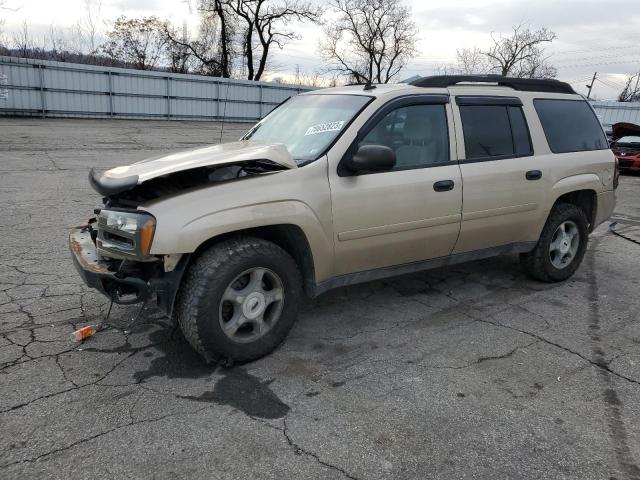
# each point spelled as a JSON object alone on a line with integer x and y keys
{"x": 119, "y": 284}
{"x": 626, "y": 164}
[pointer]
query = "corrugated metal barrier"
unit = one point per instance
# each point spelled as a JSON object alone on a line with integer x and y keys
{"x": 58, "y": 89}
{"x": 614, "y": 112}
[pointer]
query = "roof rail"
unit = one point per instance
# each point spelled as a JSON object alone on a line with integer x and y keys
{"x": 522, "y": 84}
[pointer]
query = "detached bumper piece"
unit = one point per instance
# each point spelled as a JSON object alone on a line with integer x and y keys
{"x": 102, "y": 275}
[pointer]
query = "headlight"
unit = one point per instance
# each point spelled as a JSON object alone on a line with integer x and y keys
{"x": 123, "y": 234}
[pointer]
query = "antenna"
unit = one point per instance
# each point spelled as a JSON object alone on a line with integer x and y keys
{"x": 224, "y": 110}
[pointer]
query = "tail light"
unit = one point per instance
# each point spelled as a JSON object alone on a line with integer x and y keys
{"x": 616, "y": 175}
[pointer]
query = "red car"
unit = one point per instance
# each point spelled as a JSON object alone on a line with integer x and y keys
{"x": 626, "y": 146}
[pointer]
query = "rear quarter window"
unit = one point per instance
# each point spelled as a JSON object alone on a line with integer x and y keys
{"x": 570, "y": 126}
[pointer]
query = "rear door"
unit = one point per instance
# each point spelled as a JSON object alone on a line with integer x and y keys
{"x": 504, "y": 183}
{"x": 412, "y": 212}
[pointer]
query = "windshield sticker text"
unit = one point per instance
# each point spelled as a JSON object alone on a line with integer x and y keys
{"x": 324, "y": 127}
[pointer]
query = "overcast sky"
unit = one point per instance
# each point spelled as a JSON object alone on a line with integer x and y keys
{"x": 593, "y": 35}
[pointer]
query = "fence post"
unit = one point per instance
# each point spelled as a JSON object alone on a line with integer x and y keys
{"x": 110, "y": 83}
{"x": 168, "y": 98}
{"x": 43, "y": 105}
{"x": 217, "y": 115}
{"x": 260, "y": 103}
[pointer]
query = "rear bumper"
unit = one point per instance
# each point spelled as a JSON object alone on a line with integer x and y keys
{"x": 605, "y": 206}
{"x": 120, "y": 287}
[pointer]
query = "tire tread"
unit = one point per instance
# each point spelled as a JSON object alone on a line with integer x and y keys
{"x": 534, "y": 262}
{"x": 193, "y": 291}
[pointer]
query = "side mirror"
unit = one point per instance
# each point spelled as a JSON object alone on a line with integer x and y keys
{"x": 372, "y": 158}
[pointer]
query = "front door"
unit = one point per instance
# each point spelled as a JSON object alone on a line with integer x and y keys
{"x": 412, "y": 212}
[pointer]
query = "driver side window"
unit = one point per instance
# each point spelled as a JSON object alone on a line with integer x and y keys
{"x": 418, "y": 135}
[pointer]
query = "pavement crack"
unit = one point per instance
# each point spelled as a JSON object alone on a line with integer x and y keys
{"x": 505, "y": 355}
{"x": 64, "y": 373}
{"x": 75, "y": 387}
{"x": 599, "y": 364}
{"x": 98, "y": 435}
{"x": 298, "y": 450}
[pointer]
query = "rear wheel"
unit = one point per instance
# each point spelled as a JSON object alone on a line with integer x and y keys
{"x": 239, "y": 300}
{"x": 561, "y": 246}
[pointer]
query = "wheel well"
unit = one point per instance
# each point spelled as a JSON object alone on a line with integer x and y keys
{"x": 289, "y": 237}
{"x": 584, "y": 199}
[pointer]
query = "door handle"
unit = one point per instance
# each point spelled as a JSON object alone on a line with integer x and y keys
{"x": 533, "y": 175}
{"x": 443, "y": 185}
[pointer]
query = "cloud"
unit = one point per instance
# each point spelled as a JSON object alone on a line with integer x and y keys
{"x": 501, "y": 15}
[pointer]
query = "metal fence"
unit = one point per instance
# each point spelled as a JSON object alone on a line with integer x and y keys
{"x": 58, "y": 89}
{"x": 614, "y": 112}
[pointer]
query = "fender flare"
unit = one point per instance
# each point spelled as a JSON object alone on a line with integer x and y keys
{"x": 197, "y": 231}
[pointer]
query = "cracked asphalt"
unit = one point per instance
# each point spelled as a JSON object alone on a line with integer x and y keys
{"x": 473, "y": 371}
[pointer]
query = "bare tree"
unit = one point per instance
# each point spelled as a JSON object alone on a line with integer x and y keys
{"x": 264, "y": 24}
{"x": 472, "y": 61}
{"x": 310, "y": 79}
{"x": 87, "y": 26}
{"x": 136, "y": 41}
{"x": 214, "y": 45}
{"x": 57, "y": 44}
{"x": 631, "y": 90}
{"x": 520, "y": 54}
{"x": 23, "y": 43}
{"x": 5, "y": 6}
{"x": 178, "y": 55}
{"x": 370, "y": 40}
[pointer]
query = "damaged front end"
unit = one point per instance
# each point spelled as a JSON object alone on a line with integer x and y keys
{"x": 125, "y": 281}
{"x": 113, "y": 252}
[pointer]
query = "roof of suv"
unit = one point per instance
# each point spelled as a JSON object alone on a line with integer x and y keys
{"x": 377, "y": 91}
{"x": 443, "y": 84}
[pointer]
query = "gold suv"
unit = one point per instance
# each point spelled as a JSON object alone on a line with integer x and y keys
{"x": 347, "y": 185}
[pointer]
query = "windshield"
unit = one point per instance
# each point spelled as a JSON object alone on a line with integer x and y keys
{"x": 308, "y": 124}
{"x": 629, "y": 139}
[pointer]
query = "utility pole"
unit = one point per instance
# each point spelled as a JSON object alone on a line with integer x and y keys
{"x": 590, "y": 86}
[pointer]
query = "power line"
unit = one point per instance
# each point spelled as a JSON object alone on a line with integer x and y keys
{"x": 597, "y": 64}
{"x": 591, "y": 58}
{"x": 591, "y": 50}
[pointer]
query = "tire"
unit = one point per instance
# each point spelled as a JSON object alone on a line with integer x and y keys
{"x": 233, "y": 269}
{"x": 540, "y": 263}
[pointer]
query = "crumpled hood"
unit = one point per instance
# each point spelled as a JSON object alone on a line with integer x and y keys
{"x": 623, "y": 129}
{"x": 227, "y": 153}
{"x": 124, "y": 178}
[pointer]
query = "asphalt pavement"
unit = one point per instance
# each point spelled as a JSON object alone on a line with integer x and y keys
{"x": 467, "y": 372}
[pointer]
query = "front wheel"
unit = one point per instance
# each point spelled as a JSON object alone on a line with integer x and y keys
{"x": 239, "y": 299}
{"x": 561, "y": 246}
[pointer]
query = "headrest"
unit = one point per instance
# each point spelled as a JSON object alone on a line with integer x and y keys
{"x": 415, "y": 124}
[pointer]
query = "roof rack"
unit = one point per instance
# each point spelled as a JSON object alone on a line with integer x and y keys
{"x": 522, "y": 84}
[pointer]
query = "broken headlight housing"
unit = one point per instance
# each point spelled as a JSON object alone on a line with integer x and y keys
{"x": 125, "y": 234}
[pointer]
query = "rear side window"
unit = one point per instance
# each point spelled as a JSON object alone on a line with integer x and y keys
{"x": 570, "y": 126}
{"x": 494, "y": 131}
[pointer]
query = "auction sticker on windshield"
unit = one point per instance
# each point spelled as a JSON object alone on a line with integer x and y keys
{"x": 325, "y": 127}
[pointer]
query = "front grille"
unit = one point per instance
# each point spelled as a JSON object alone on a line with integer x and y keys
{"x": 624, "y": 162}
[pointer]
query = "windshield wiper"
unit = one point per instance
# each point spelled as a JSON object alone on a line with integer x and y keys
{"x": 253, "y": 130}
